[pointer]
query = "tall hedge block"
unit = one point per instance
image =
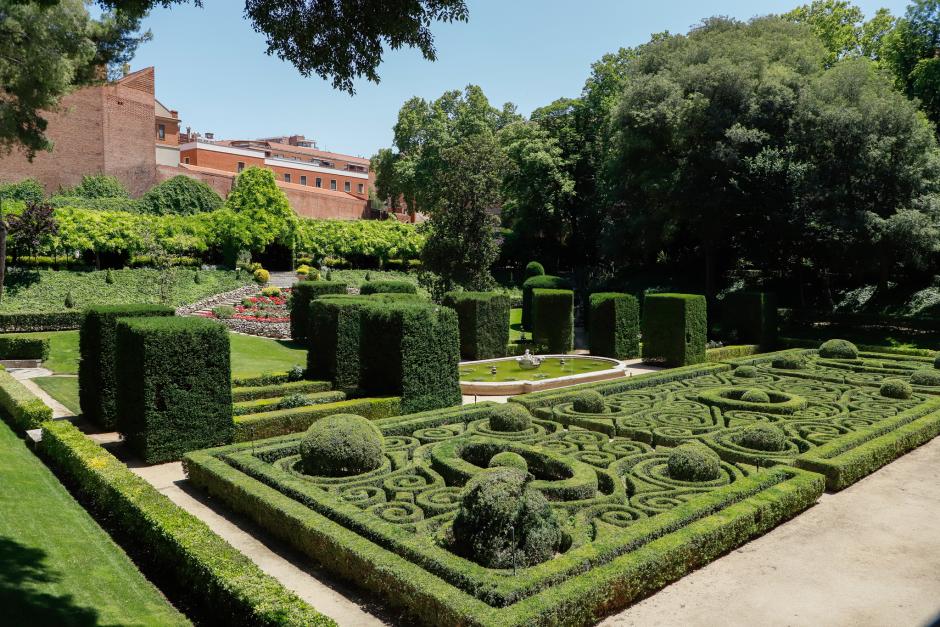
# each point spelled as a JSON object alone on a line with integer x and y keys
{"x": 97, "y": 374}
{"x": 553, "y": 319}
{"x": 544, "y": 281}
{"x": 334, "y": 353}
{"x": 301, "y": 294}
{"x": 483, "y": 319}
{"x": 674, "y": 328}
{"x": 753, "y": 316}
{"x": 174, "y": 386}
{"x": 388, "y": 287}
{"x": 614, "y": 325}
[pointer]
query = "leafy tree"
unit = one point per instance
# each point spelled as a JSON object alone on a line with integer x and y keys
{"x": 33, "y": 226}
{"x": 256, "y": 214}
{"x": 837, "y": 23}
{"x": 180, "y": 195}
{"x": 98, "y": 186}
{"x": 912, "y": 50}
{"x": 27, "y": 191}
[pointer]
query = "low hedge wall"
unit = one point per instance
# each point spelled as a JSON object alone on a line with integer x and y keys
{"x": 388, "y": 287}
{"x": 19, "y": 405}
{"x": 197, "y": 568}
{"x": 301, "y": 294}
{"x": 614, "y": 325}
{"x": 483, "y": 318}
{"x": 269, "y": 404}
{"x": 793, "y": 342}
{"x": 674, "y": 328}
{"x": 553, "y": 320}
{"x": 251, "y": 393}
{"x": 22, "y": 347}
{"x": 267, "y": 378}
{"x": 731, "y": 352}
{"x": 284, "y": 421}
{"x": 11, "y": 322}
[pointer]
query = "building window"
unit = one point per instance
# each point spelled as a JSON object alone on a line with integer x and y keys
{"x": 186, "y": 160}
{"x": 319, "y": 182}
{"x": 347, "y": 187}
{"x": 161, "y": 132}
{"x": 286, "y": 177}
{"x": 332, "y": 183}
{"x": 359, "y": 187}
{"x": 241, "y": 166}
{"x": 303, "y": 180}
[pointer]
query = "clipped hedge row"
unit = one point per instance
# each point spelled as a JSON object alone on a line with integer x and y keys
{"x": 252, "y": 393}
{"x": 483, "y": 320}
{"x": 674, "y": 329}
{"x": 268, "y": 404}
{"x": 194, "y": 566}
{"x": 553, "y": 320}
{"x": 736, "y": 351}
{"x": 334, "y": 353}
{"x": 266, "y": 378}
{"x": 16, "y": 322}
{"x": 268, "y": 424}
{"x": 19, "y": 405}
{"x": 21, "y": 347}
{"x": 614, "y": 325}
{"x": 793, "y": 342}
{"x": 301, "y": 294}
{"x": 541, "y": 282}
{"x": 388, "y": 287}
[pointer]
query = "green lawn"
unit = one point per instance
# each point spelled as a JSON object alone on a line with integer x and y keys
{"x": 63, "y": 351}
{"x": 58, "y": 566}
{"x": 62, "y": 389}
{"x": 253, "y": 356}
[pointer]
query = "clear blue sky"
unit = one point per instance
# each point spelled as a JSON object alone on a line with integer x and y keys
{"x": 211, "y": 66}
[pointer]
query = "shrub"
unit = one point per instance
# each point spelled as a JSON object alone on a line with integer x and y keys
{"x": 762, "y": 436}
{"x": 388, "y": 287}
{"x": 895, "y": 388}
{"x": 26, "y": 191}
{"x": 483, "y": 319}
{"x": 261, "y": 276}
{"x": 277, "y": 388}
{"x": 271, "y": 291}
{"x": 589, "y": 402}
{"x": 614, "y": 325}
{"x": 791, "y": 361}
{"x": 174, "y": 386}
{"x": 180, "y": 195}
{"x": 69, "y": 300}
{"x": 495, "y": 503}
{"x": 546, "y": 281}
{"x": 40, "y": 321}
{"x": 296, "y": 373}
{"x": 755, "y": 396}
{"x": 267, "y": 423}
{"x": 838, "y": 349}
{"x": 23, "y": 347}
{"x": 223, "y": 312}
{"x": 293, "y": 400}
{"x": 752, "y": 316}
{"x": 97, "y": 365}
{"x": 553, "y": 319}
{"x": 533, "y": 268}
{"x": 693, "y": 462}
{"x": 509, "y": 417}
{"x": 197, "y": 278}
{"x": 508, "y": 459}
{"x": 19, "y": 405}
{"x": 674, "y": 328}
{"x": 98, "y": 186}
{"x": 745, "y": 372}
{"x": 109, "y": 277}
{"x": 925, "y": 377}
{"x": 302, "y": 293}
{"x": 341, "y": 445}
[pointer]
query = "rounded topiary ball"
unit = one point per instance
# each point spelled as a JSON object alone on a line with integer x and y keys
{"x": 692, "y": 462}
{"x": 838, "y": 349}
{"x": 746, "y": 372}
{"x": 762, "y": 437}
{"x": 925, "y": 377}
{"x": 341, "y": 445}
{"x": 755, "y": 396}
{"x": 895, "y": 388}
{"x": 510, "y": 417}
{"x": 589, "y": 402}
{"x": 497, "y": 504}
{"x": 509, "y": 460}
{"x": 789, "y": 362}
{"x": 534, "y": 268}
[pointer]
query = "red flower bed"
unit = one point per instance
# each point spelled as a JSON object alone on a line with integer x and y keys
{"x": 261, "y": 308}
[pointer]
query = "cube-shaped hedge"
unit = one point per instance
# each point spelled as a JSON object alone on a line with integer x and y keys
{"x": 553, "y": 320}
{"x": 544, "y": 281}
{"x": 614, "y": 325}
{"x": 301, "y": 294}
{"x": 388, "y": 287}
{"x": 334, "y": 353}
{"x": 752, "y": 316}
{"x": 483, "y": 318}
{"x": 174, "y": 386}
{"x": 97, "y": 374}
{"x": 674, "y": 329}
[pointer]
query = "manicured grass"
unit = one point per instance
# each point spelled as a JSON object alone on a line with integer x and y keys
{"x": 63, "y": 351}
{"x": 58, "y": 566}
{"x": 509, "y": 370}
{"x": 515, "y": 325}
{"x": 46, "y": 290}
{"x": 252, "y": 356}
{"x": 62, "y": 389}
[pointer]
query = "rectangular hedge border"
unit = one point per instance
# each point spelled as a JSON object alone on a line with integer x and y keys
{"x": 674, "y": 328}
{"x": 195, "y": 565}
{"x": 269, "y": 404}
{"x": 735, "y": 351}
{"x": 300, "y": 296}
{"x": 19, "y": 405}
{"x": 553, "y": 320}
{"x": 793, "y": 342}
{"x": 483, "y": 318}
{"x": 22, "y": 347}
{"x": 274, "y": 390}
{"x": 28, "y": 322}
{"x": 614, "y": 325}
{"x": 284, "y": 421}
{"x": 388, "y": 287}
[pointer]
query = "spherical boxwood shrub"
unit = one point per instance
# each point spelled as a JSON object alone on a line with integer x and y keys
{"x": 510, "y": 417}
{"x": 509, "y": 460}
{"x": 692, "y": 462}
{"x": 745, "y": 372}
{"x": 789, "y": 362}
{"x": 762, "y": 436}
{"x": 925, "y": 377}
{"x": 261, "y": 276}
{"x": 341, "y": 445}
{"x": 271, "y": 291}
{"x": 589, "y": 402}
{"x": 838, "y": 349}
{"x": 502, "y": 521}
{"x": 755, "y": 396}
{"x": 895, "y": 388}
{"x": 534, "y": 268}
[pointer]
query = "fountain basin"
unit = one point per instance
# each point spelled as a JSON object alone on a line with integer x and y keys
{"x": 476, "y": 377}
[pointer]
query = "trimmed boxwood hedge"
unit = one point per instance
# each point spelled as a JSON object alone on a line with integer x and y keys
{"x": 553, "y": 320}
{"x": 388, "y": 287}
{"x": 20, "y": 406}
{"x": 333, "y": 352}
{"x": 97, "y": 369}
{"x": 614, "y": 325}
{"x": 27, "y": 322}
{"x": 300, "y": 296}
{"x": 194, "y": 566}
{"x": 251, "y": 393}
{"x": 240, "y": 408}
{"x": 268, "y": 424}
{"x": 674, "y": 329}
{"x": 174, "y": 386}
{"x": 21, "y": 347}
{"x": 483, "y": 319}
{"x": 752, "y": 316}
{"x": 543, "y": 281}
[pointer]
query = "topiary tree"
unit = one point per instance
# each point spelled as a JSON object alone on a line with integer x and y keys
{"x": 533, "y": 268}
{"x": 614, "y": 325}
{"x": 502, "y": 522}
{"x": 547, "y": 282}
{"x": 926, "y": 377}
{"x": 180, "y": 195}
{"x": 510, "y": 417}
{"x": 838, "y": 349}
{"x": 509, "y": 459}
{"x": 755, "y": 396}
{"x": 341, "y": 445}
{"x": 895, "y": 388}
{"x": 589, "y": 402}
{"x": 693, "y": 462}
{"x": 762, "y": 436}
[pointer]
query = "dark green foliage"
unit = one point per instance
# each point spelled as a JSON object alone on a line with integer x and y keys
{"x": 69, "y": 300}
{"x": 334, "y": 353}
{"x": 895, "y": 388}
{"x": 388, "y": 287}
{"x": 97, "y": 366}
{"x": 614, "y": 325}
{"x": 762, "y": 436}
{"x": 588, "y": 402}
{"x": 693, "y": 462}
{"x": 23, "y": 347}
{"x": 752, "y": 317}
{"x": 180, "y": 195}
{"x": 26, "y": 191}
{"x": 553, "y": 320}
{"x": 509, "y": 417}
{"x": 791, "y": 361}
{"x": 40, "y": 321}
{"x": 173, "y": 386}
{"x": 267, "y": 422}
{"x": 302, "y": 293}
{"x": 533, "y": 268}
{"x": 745, "y": 372}
{"x": 926, "y": 377}
{"x": 755, "y": 396}
{"x": 838, "y": 349}
{"x": 19, "y": 405}
{"x": 509, "y": 459}
{"x": 341, "y": 445}
{"x": 936, "y": 361}
{"x": 109, "y": 277}
{"x": 545, "y": 281}
{"x": 483, "y": 319}
{"x": 497, "y": 507}
{"x": 674, "y": 329}
{"x": 296, "y": 373}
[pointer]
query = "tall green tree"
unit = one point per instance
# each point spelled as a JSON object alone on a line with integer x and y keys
{"x": 912, "y": 50}
{"x": 255, "y": 215}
